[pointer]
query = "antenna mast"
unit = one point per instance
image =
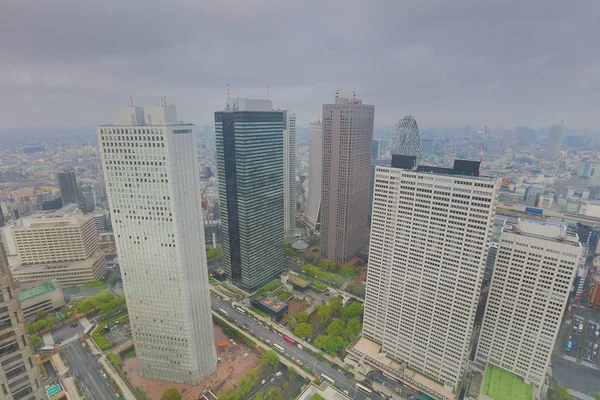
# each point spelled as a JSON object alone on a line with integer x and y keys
{"x": 482, "y": 147}
{"x": 130, "y": 101}
{"x": 267, "y": 93}
{"x": 337, "y": 92}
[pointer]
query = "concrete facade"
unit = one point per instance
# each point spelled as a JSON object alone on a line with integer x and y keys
{"x": 312, "y": 211}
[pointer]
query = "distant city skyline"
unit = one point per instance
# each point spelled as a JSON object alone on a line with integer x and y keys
{"x": 444, "y": 64}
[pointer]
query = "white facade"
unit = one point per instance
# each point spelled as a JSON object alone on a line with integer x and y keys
{"x": 533, "y": 274}
{"x": 430, "y": 235}
{"x": 315, "y": 154}
{"x": 153, "y": 189}
{"x": 289, "y": 171}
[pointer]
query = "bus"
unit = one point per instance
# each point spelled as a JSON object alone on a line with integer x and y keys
{"x": 363, "y": 389}
{"x": 570, "y": 345}
{"x": 289, "y": 339}
{"x": 278, "y": 347}
{"x": 328, "y": 379}
{"x": 223, "y": 311}
{"x": 240, "y": 310}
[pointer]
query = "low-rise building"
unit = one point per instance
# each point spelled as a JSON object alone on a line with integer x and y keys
{"x": 594, "y": 297}
{"x": 68, "y": 273}
{"x": 46, "y": 297}
{"x": 270, "y": 305}
{"x": 298, "y": 283}
{"x": 324, "y": 391}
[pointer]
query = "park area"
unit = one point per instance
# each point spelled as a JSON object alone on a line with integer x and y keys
{"x": 500, "y": 384}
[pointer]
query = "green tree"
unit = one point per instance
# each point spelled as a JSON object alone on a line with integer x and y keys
{"x": 273, "y": 393}
{"x": 324, "y": 313}
{"x": 86, "y": 305}
{"x": 104, "y": 297}
{"x": 260, "y": 396}
{"x": 113, "y": 280}
{"x": 287, "y": 319}
{"x": 303, "y": 330}
{"x": 252, "y": 375}
{"x": 333, "y": 344}
{"x": 347, "y": 272}
{"x": 336, "y": 304}
{"x": 215, "y": 252}
{"x": 270, "y": 357}
{"x": 40, "y": 314}
{"x": 353, "y": 327}
{"x": 328, "y": 265}
{"x": 35, "y": 341}
{"x": 292, "y": 374}
{"x": 245, "y": 386}
{"x": 597, "y": 395}
{"x": 353, "y": 310}
{"x": 336, "y": 327}
{"x": 171, "y": 394}
{"x": 561, "y": 393}
{"x": 302, "y": 316}
{"x": 320, "y": 341}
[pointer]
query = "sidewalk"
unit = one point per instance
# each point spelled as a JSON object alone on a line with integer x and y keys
{"x": 59, "y": 364}
{"x": 71, "y": 388}
{"x": 127, "y": 393}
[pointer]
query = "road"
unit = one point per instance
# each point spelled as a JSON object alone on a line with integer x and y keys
{"x": 380, "y": 378}
{"x": 341, "y": 381}
{"x": 575, "y": 337}
{"x": 590, "y": 341}
{"x": 84, "y": 367}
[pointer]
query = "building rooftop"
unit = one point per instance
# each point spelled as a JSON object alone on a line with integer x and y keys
{"x": 38, "y": 290}
{"x": 322, "y": 392}
{"x": 53, "y": 219}
{"x": 461, "y": 167}
{"x": 272, "y": 303}
{"x": 296, "y": 280}
{"x": 53, "y": 267}
{"x": 500, "y": 384}
{"x": 549, "y": 230}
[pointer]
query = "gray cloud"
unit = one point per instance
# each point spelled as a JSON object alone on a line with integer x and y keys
{"x": 462, "y": 62}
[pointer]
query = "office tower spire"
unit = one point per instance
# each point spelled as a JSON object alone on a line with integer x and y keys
{"x": 152, "y": 182}
{"x": 249, "y": 142}
{"x": 312, "y": 211}
{"x": 19, "y": 375}
{"x": 347, "y": 140}
{"x": 430, "y": 233}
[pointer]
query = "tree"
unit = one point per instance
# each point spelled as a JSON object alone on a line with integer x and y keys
{"x": 328, "y": 265}
{"x": 561, "y": 393}
{"x": 320, "y": 341}
{"x": 336, "y": 327}
{"x": 245, "y": 386}
{"x": 347, "y": 272}
{"x": 273, "y": 393}
{"x": 215, "y": 252}
{"x": 597, "y": 395}
{"x": 303, "y": 330}
{"x": 292, "y": 374}
{"x": 270, "y": 357}
{"x": 353, "y": 327}
{"x": 302, "y": 316}
{"x": 287, "y": 319}
{"x": 324, "y": 313}
{"x": 171, "y": 394}
{"x": 85, "y": 305}
{"x": 353, "y": 310}
{"x": 252, "y": 375}
{"x": 40, "y": 314}
{"x": 333, "y": 344}
{"x": 104, "y": 297}
{"x": 35, "y": 341}
{"x": 336, "y": 304}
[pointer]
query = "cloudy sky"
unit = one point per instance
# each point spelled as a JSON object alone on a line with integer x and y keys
{"x": 502, "y": 63}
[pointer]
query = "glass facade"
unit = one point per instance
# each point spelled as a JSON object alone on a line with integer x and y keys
{"x": 250, "y": 165}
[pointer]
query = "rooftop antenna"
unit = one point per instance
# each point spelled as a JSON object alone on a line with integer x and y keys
{"x": 165, "y": 101}
{"x": 130, "y": 101}
{"x": 482, "y": 147}
{"x": 337, "y": 92}
{"x": 267, "y": 93}
{"x": 354, "y": 96}
{"x": 228, "y": 92}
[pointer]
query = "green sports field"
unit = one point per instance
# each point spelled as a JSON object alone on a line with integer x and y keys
{"x": 500, "y": 384}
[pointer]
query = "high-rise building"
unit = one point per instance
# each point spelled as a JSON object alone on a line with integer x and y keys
{"x": 289, "y": 171}
{"x": 557, "y": 137}
{"x": 376, "y": 149}
{"x": 430, "y": 233}
{"x": 374, "y": 164}
{"x": 532, "y": 278}
{"x": 407, "y": 140}
{"x": 312, "y": 211}
{"x": 152, "y": 177}
{"x": 427, "y": 146}
{"x": 69, "y": 191}
{"x": 347, "y": 142}
{"x": 249, "y": 143}
{"x": 508, "y": 140}
{"x": 19, "y": 374}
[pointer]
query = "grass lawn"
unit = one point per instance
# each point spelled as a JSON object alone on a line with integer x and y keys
{"x": 500, "y": 384}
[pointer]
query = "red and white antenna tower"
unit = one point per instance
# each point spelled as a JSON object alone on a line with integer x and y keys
{"x": 354, "y": 96}
{"x": 267, "y": 93}
{"x": 337, "y": 92}
{"x": 130, "y": 101}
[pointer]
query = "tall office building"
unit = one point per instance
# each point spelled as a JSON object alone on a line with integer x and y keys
{"x": 532, "y": 278}
{"x": 430, "y": 233}
{"x": 69, "y": 191}
{"x": 19, "y": 374}
{"x": 376, "y": 149}
{"x": 312, "y": 211}
{"x": 249, "y": 141}
{"x": 407, "y": 140}
{"x": 347, "y": 141}
{"x": 557, "y": 137}
{"x": 508, "y": 140}
{"x": 289, "y": 171}
{"x": 427, "y": 146}
{"x": 152, "y": 179}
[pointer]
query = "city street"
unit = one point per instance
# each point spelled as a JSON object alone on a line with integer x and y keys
{"x": 84, "y": 367}
{"x": 341, "y": 381}
{"x": 590, "y": 340}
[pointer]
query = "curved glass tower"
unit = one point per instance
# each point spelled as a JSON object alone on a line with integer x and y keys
{"x": 407, "y": 140}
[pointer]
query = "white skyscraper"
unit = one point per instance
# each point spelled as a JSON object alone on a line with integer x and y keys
{"x": 430, "y": 233}
{"x": 289, "y": 171}
{"x": 315, "y": 154}
{"x": 153, "y": 189}
{"x": 532, "y": 278}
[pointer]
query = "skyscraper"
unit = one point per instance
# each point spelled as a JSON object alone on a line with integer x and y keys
{"x": 430, "y": 233}
{"x": 508, "y": 140}
{"x": 152, "y": 179}
{"x": 347, "y": 142}
{"x": 376, "y": 149}
{"x": 19, "y": 375}
{"x": 532, "y": 278}
{"x": 407, "y": 140}
{"x": 312, "y": 211}
{"x": 249, "y": 142}
{"x": 557, "y": 137}
{"x": 69, "y": 191}
{"x": 289, "y": 171}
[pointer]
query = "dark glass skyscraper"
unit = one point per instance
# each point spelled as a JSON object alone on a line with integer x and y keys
{"x": 249, "y": 142}
{"x": 69, "y": 192}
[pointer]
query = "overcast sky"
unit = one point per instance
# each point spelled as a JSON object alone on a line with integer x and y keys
{"x": 503, "y": 63}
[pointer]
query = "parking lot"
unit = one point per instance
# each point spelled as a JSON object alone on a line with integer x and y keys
{"x": 590, "y": 347}
{"x": 119, "y": 333}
